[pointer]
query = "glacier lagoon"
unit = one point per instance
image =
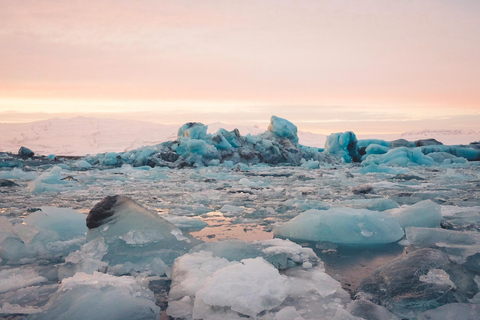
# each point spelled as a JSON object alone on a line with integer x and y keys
{"x": 224, "y": 226}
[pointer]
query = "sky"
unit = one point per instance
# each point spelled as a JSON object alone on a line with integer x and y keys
{"x": 328, "y": 66}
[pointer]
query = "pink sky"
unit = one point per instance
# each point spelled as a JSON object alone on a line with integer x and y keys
{"x": 368, "y": 66}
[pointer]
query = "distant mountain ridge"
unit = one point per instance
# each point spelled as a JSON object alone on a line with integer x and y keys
{"x": 454, "y": 136}
{"x": 87, "y": 135}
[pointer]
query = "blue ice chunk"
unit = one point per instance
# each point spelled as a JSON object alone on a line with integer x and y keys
{"x": 46, "y": 235}
{"x": 51, "y": 181}
{"x": 468, "y": 153}
{"x": 342, "y": 226}
{"x": 135, "y": 235}
{"x": 228, "y": 164}
{"x": 376, "y": 149}
{"x": 112, "y": 159}
{"x": 310, "y": 164}
{"x": 25, "y": 152}
{"x": 364, "y": 143}
{"x": 283, "y": 128}
{"x": 343, "y": 145}
{"x": 81, "y": 164}
{"x": 141, "y": 156}
{"x": 213, "y": 163}
{"x": 401, "y": 157}
{"x": 422, "y": 214}
{"x": 193, "y": 130}
{"x": 220, "y": 142}
{"x": 192, "y": 146}
{"x": 446, "y": 158}
{"x": 233, "y": 137}
{"x": 18, "y": 174}
{"x": 101, "y": 296}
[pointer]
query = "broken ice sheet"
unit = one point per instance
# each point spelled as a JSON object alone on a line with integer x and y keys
{"x": 47, "y": 234}
{"x": 100, "y": 296}
{"x": 234, "y": 279}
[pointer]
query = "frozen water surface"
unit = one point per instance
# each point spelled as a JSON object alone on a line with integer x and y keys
{"x": 195, "y": 241}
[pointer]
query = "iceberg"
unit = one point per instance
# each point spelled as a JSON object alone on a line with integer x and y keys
{"x": 283, "y": 128}
{"x": 343, "y": 145}
{"x": 401, "y": 157}
{"x": 342, "y": 226}
{"x": 467, "y": 152}
{"x": 194, "y": 147}
{"x": 25, "y": 152}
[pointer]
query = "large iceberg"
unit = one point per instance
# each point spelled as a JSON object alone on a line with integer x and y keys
{"x": 342, "y": 226}
{"x": 195, "y": 147}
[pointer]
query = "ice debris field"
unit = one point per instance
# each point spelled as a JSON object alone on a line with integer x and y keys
{"x": 225, "y": 226}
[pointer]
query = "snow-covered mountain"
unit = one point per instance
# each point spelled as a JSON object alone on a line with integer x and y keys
{"x": 445, "y": 136}
{"x": 82, "y": 135}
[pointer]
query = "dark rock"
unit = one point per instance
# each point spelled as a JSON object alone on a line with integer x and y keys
{"x": 101, "y": 212}
{"x": 171, "y": 156}
{"x": 472, "y": 263}
{"x": 427, "y": 142}
{"x": 69, "y": 178}
{"x": 407, "y": 177}
{"x": 25, "y": 152}
{"x": 363, "y": 189}
{"x": 401, "y": 143}
{"x": 405, "y": 286}
{"x": 7, "y": 183}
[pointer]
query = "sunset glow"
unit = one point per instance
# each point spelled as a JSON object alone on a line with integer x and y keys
{"x": 367, "y": 66}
